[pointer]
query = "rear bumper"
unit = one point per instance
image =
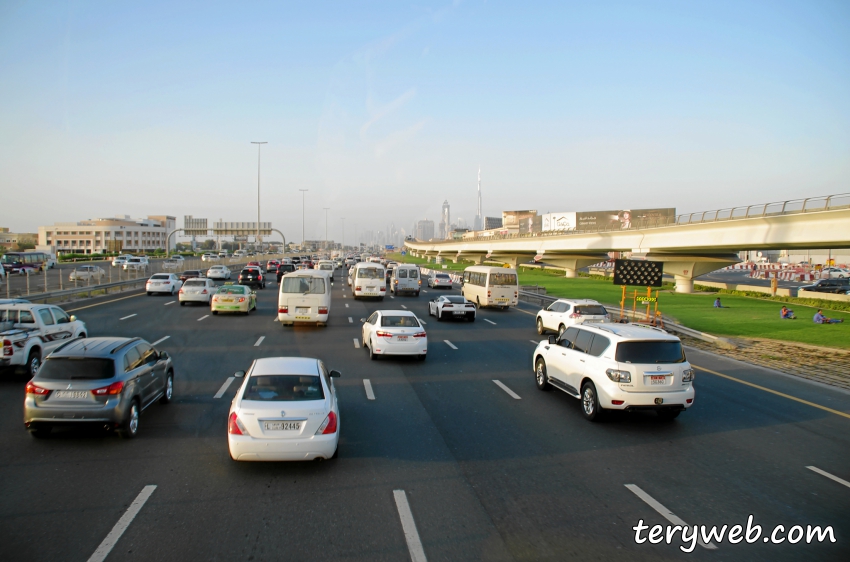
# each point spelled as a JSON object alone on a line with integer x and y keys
{"x": 112, "y": 413}
{"x": 415, "y": 348}
{"x": 193, "y": 298}
{"x": 160, "y": 289}
{"x": 247, "y": 448}
{"x": 670, "y": 399}
{"x": 293, "y": 318}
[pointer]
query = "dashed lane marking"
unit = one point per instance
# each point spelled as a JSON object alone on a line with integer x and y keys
{"x": 424, "y": 322}
{"x": 169, "y": 302}
{"x": 666, "y": 513}
{"x": 408, "y": 525}
{"x": 259, "y": 341}
{"x": 490, "y": 321}
{"x": 223, "y": 388}
{"x": 450, "y": 344}
{"x": 828, "y": 475}
{"x": 350, "y": 320}
{"x": 518, "y": 309}
{"x": 535, "y": 342}
{"x": 204, "y": 316}
{"x": 346, "y": 305}
{"x": 367, "y": 384}
{"x": 404, "y": 307}
{"x": 128, "y": 316}
{"x": 356, "y": 343}
{"x": 115, "y": 534}
{"x": 510, "y": 392}
{"x": 160, "y": 340}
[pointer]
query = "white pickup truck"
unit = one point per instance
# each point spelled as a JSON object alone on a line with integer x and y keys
{"x": 30, "y": 332}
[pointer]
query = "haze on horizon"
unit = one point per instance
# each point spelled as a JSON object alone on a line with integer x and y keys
{"x": 383, "y": 110}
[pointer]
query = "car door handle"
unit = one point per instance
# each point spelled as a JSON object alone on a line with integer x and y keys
{"x": 582, "y": 360}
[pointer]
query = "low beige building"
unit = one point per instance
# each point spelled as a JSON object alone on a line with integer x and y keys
{"x": 10, "y": 240}
{"x": 96, "y": 236}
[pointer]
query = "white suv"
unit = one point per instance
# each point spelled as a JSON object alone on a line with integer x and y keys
{"x": 564, "y": 313}
{"x": 617, "y": 367}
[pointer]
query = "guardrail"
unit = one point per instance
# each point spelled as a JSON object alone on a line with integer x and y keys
{"x": 83, "y": 290}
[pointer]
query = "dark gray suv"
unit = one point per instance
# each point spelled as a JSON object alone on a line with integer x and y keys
{"x": 106, "y": 381}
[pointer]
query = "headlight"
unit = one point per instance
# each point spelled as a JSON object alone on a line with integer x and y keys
{"x": 688, "y": 375}
{"x": 619, "y": 376}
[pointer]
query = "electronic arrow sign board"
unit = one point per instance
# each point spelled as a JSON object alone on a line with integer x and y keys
{"x": 638, "y": 273}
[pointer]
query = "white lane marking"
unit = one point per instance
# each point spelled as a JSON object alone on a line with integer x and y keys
{"x": 424, "y": 291}
{"x": 346, "y": 305}
{"x": 424, "y": 322}
{"x": 204, "y": 316}
{"x": 259, "y": 341}
{"x": 501, "y": 385}
{"x": 666, "y": 513}
{"x": 276, "y": 319}
{"x": 828, "y": 475}
{"x": 343, "y": 296}
{"x": 106, "y": 546}
{"x": 490, "y": 321}
{"x": 128, "y": 317}
{"x": 160, "y": 340}
{"x": 223, "y": 388}
{"x": 450, "y": 344}
{"x": 535, "y": 342}
{"x": 169, "y": 302}
{"x": 367, "y": 384}
{"x": 350, "y": 320}
{"x": 392, "y": 297}
{"x": 404, "y": 307}
{"x": 408, "y": 525}
{"x": 356, "y": 343}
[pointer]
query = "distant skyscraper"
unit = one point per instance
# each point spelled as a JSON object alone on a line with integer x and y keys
{"x": 424, "y": 230}
{"x": 478, "y": 216}
{"x": 445, "y": 220}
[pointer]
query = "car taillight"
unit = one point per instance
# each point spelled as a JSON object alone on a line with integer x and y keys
{"x": 575, "y": 314}
{"x": 167, "y": 283}
{"x": 328, "y": 426}
{"x": 420, "y": 335}
{"x": 7, "y": 348}
{"x": 396, "y": 281}
{"x": 323, "y": 310}
{"x": 34, "y": 389}
{"x": 358, "y": 288}
{"x": 283, "y": 310}
{"x": 204, "y": 292}
{"x": 241, "y": 299}
{"x": 420, "y": 282}
{"x": 114, "y": 388}
{"x": 383, "y": 334}
{"x": 488, "y": 293}
{"x": 383, "y": 288}
{"x": 234, "y": 425}
{"x": 180, "y": 292}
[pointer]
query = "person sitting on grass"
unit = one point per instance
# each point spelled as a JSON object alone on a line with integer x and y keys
{"x": 717, "y": 303}
{"x": 787, "y": 314}
{"x": 819, "y": 318}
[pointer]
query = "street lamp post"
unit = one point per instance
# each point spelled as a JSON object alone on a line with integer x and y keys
{"x": 343, "y": 233}
{"x": 326, "y": 226}
{"x": 258, "y": 143}
{"x": 303, "y": 191}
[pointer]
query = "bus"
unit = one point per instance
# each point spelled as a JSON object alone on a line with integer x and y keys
{"x": 14, "y": 261}
{"x": 491, "y": 286}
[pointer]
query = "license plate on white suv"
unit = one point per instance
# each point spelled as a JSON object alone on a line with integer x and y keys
{"x": 282, "y": 426}
{"x": 657, "y": 379}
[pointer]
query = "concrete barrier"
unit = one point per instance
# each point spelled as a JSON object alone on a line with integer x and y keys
{"x": 780, "y": 292}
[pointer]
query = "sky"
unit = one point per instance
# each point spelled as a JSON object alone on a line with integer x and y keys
{"x": 382, "y": 110}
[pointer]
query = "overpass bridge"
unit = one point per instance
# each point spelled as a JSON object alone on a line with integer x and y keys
{"x": 689, "y": 245}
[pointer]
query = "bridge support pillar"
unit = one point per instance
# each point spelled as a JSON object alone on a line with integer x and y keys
{"x": 569, "y": 272}
{"x": 684, "y": 284}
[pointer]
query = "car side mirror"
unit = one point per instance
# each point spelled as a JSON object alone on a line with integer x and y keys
{"x": 163, "y": 355}
{"x": 239, "y": 374}
{"x": 73, "y": 318}
{"x": 553, "y": 339}
{"x": 363, "y": 320}
{"x": 335, "y": 374}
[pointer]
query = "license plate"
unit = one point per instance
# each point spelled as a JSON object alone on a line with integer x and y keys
{"x": 282, "y": 426}
{"x": 302, "y": 310}
{"x": 401, "y": 338}
{"x": 501, "y": 300}
{"x": 73, "y": 394}
{"x": 458, "y": 312}
{"x": 657, "y": 379}
{"x": 302, "y": 318}
{"x": 226, "y": 300}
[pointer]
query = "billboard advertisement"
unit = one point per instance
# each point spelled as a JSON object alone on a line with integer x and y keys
{"x": 558, "y": 221}
{"x": 608, "y": 220}
{"x": 511, "y": 219}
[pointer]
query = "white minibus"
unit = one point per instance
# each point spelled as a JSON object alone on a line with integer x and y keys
{"x": 369, "y": 280}
{"x": 305, "y": 296}
{"x": 406, "y": 279}
{"x": 491, "y": 286}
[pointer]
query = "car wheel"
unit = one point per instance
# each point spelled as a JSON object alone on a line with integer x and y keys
{"x": 82, "y": 335}
{"x": 172, "y": 291}
{"x": 422, "y": 356}
{"x": 33, "y": 363}
{"x": 668, "y": 415}
{"x": 169, "y": 388}
{"x": 540, "y": 328}
{"x": 130, "y": 425}
{"x": 472, "y": 318}
{"x": 372, "y": 354}
{"x": 440, "y": 315}
{"x": 417, "y": 293}
{"x": 540, "y": 375}
{"x": 40, "y": 431}
{"x": 477, "y": 302}
{"x": 182, "y": 303}
{"x": 214, "y": 312}
{"x": 561, "y": 330}
{"x": 590, "y": 402}
{"x": 149, "y": 293}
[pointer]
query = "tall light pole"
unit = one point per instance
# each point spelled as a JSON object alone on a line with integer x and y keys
{"x": 343, "y": 233}
{"x": 303, "y": 191}
{"x": 258, "y": 143}
{"x": 326, "y": 226}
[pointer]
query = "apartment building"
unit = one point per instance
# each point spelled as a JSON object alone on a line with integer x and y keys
{"x": 10, "y": 240}
{"x": 94, "y": 236}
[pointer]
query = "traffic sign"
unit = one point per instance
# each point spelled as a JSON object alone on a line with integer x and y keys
{"x": 404, "y": 253}
{"x": 639, "y": 273}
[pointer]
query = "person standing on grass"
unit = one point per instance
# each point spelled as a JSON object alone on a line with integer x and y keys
{"x": 819, "y": 318}
{"x": 787, "y": 314}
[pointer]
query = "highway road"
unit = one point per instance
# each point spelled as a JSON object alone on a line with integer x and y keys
{"x": 486, "y": 475}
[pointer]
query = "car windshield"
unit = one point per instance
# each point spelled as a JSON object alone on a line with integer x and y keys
{"x": 368, "y": 273}
{"x": 304, "y": 285}
{"x": 294, "y": 388}
{"x": 456, "y": 300}
{"x": 591, "y": 310}
{"x": 232, "y": 290}
{"x": 650, "y": 352}
{"x": 76, "y": 368}
{"x": 399, "y": 322}
{"x": 160, "y": 277}
{"x": 503, "y": 279}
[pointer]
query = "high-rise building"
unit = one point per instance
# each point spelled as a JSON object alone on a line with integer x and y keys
{"x": 492, "y": 222}
{"x": 479, "y": 219}
{"x": 445, "y": 221}
{"x": 424, "y": 230}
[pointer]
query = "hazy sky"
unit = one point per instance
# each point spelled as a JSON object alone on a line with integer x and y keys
{"x": 384, "y": 109}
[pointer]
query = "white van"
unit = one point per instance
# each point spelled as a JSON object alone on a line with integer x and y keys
{"x": 491, "y": 286}
{"x": 369, "y": 280}
{"x": 406, "y": 279}
{"x": 326, "y": 265}
{"x": 305, "y": 296}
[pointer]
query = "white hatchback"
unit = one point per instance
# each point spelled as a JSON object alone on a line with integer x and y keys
{"x": 163, "y": 283}
{"x": 394, "y": 332}
{"x": 285, "y": 410}
{"x": 564, "y": 313}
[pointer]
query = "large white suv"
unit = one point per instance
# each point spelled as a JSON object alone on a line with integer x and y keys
{"x": 617, "y": 367}
{"x": 564, "y": 313}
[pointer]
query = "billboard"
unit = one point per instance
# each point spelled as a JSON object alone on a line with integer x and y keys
{"x": 558, "y": 221}
{"x": 511, "y": 219}
{"x": 608, "y": 220}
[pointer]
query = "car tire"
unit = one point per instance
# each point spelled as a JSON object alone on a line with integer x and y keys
{"x": 417, "y": 293}
{"x": 561, "y": 330}
{"x": 214, "y": 312}
{"x": 372, "y": 355}
{"x": 168, "y": 392}
{"x": 540, "y": 376}
{"x": 172, "y": 291}
{"x": 149, "y": 293}
{"x": 33, "y": 362}
{"x": 182, "y": 303}
{"x": 472, "y": 318}
{"x": 40, "y": 431}
{"x": 422, "y": 356}
{"x": 590, "y": 402}
{"x": 540, "y": 328}
{"x": 668, "y": 415}
{"x": 130, "y": 424}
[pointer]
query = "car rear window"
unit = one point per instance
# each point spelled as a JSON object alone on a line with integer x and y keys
{"x": 195, "y": 283}
{"x": 456, "y": 300}
{"x": 399, "y": 322}
{"x": 160, "y": 277}
{"x": 232, "y": 290}
{"x": 303, "y": 285}
{"x": 650, "y": 352}
{"x": 76, "y": 368}
{"x": 442, "y": 276}
{"x": 294, "y": 388}
{"x": 402, "y": 274}
{"x": 591, "y": 310}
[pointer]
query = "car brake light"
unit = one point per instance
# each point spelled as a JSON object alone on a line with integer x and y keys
{"x": 167, "y": 283}
{"x": 383, "y": 334}
{"x": 617, "y": 402}
{"x": 323, "y": 310}
{"x": 420, "y": 282}
{"x": 241, "y": 299}
{"x": 328, "y": 426}
{"x": 114, "y": 388}
{"x": 447, "y": 306}
{"x": 420, "y": 335}
{"x": 383, "y": 288}
{"x": 283, "y": 310}
{"x": 357, "y": 288}
{"x": 33, "y": 389}
{"x": 488, "y": 293}
{"x": 180, "y": 292}
{"x": 234, "y": 425}
{"x": 7, "y": 348}
{"x": 575, "y": 315}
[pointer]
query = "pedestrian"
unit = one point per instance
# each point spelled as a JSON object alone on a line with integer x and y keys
{"x": 787, "y": 314}
{"x": 819, "y": 318}
{"x": 717, "y": 303}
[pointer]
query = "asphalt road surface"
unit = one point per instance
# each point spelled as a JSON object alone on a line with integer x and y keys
{"x": 443, "y": 464}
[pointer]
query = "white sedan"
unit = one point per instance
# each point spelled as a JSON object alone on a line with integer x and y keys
{"x": 394, "y": 332}
{"x": 218, "y": 272}
{"x": 87, "y": 272}
{"x": 163, "y": 283}
{"x": 285, "y": 410}
{"x": 451, "y": 306}
{"x": 197, "y": 289}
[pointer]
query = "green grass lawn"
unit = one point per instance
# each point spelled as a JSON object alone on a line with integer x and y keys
{"x": 746, "y": 317}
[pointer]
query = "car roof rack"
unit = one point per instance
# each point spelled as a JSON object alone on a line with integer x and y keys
{"x": 122, "y": 345}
